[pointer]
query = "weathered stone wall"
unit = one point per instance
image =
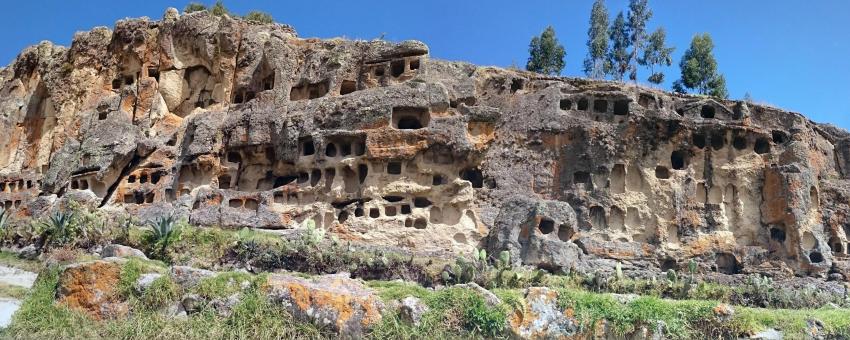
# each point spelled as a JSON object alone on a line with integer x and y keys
{"x": 237, "y": 124}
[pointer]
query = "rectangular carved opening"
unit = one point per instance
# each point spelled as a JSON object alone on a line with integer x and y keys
{"x": 394, "y": 168}
{"x": 410, "y": 118}
{"x": 600, "y": 105}
{"x": 397, "y": 68}
{"x": 621, "y": 107}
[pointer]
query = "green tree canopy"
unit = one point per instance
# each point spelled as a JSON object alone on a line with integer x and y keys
{"x": 618, "y": 55}
{"x": 639, "y": 14}
{"x": 596, "y": 64}
{"x": 546, "y": 54}
{"x": 699, "y": 69}
{"x": 655, "y": 54}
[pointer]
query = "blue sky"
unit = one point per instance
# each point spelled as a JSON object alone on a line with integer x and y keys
{"x": 791, "y": 54}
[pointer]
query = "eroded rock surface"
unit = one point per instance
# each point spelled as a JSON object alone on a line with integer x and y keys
{"x": 335, "y": 301}
{"x": 234, "y": 124}
{"x": 117, "y": 250}
{"x": 92, "y": 287}
{"x": 542, "y": 318}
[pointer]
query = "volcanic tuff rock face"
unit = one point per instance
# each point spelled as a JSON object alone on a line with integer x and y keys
{"x": 236, "y": 124}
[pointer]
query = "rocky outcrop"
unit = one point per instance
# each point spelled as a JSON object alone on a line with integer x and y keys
{"x": 188, "y": 277}
{"x": 537, "y": 233}
{"x": 541, "y": 318}
{"x": 232, "y": 123}
{"x": 117, "y": 250}
{"x": 92, "y": 287}
{"x": 335, "y": 301}
{"x": 411, "y": 310}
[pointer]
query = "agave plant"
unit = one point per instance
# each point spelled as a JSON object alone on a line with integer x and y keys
{"x": 58, "y": 224}
{"x": 163, "y": 230}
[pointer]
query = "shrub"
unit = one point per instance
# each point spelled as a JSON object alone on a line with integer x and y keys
{"x": 194, "y": 7}
{"x": 219, "y": 10}
{"x": 259, "y": 17}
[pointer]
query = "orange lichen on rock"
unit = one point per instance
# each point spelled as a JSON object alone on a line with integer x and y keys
{"x": 91, "y": 287}
{"x": 331, "y": 300}
{"x": 541, "y": 318}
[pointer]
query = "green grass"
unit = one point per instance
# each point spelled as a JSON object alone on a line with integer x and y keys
{"x": 696, "y": 318}
{"x": 203, "y": 247}
{"x": 453, "y": 313}
{"x": 10, "y": 259}
{"x": 39, "y": 317}
{"x": 254, "y": 317}
{"x": 12, "y": 291}
{"x": 793, "y": 323}
{"x": 394, "y": 290}
{"x": 223, "y": 284}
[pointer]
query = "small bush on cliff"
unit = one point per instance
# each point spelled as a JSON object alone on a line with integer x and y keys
{"x": 259, "y": 17}
{"x": 194, "y": 7}
{"x": 217, "y": 9}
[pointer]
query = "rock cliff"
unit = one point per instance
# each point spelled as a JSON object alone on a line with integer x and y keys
{"x": 232, "y": 124}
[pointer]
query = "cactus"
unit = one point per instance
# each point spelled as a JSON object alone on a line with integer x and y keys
{"x": 482, "y": 255}
{"x": 672, "y": 276}
{"x": 4, "y": 219}
{"x": 692, "y": 266}
{"x": 619, "y": 271}
{"x": 312, "y": 236}
{"x": 505, "y": 259}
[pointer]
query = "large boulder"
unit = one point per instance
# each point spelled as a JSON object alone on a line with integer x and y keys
{"x": 188, "y": 277}
{"x": 412, "y": 309}
{"x": 334, "y": 301}
{"x": 537, "y": 233}
{"x": 541, "y": 318}
{"x": 91, "y": 287}
{"x": 117, "y": 250}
